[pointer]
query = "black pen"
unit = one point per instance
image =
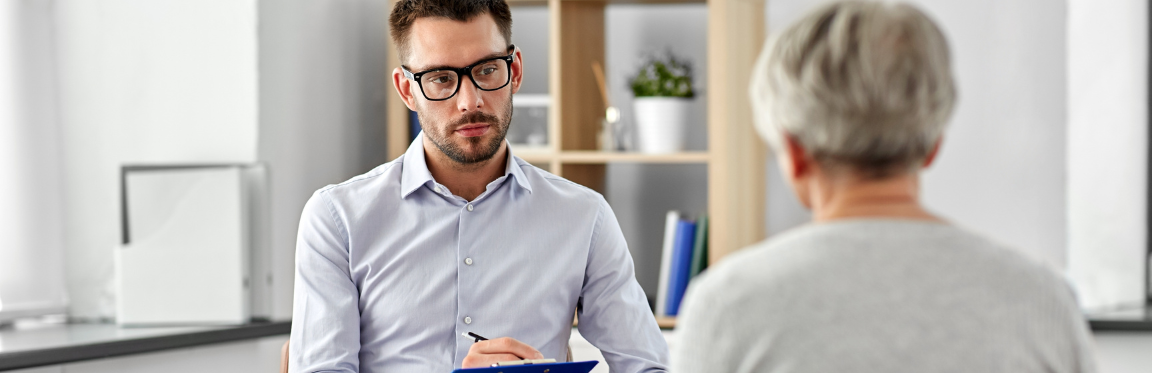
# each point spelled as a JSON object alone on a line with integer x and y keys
{"x": 476, "y": 336}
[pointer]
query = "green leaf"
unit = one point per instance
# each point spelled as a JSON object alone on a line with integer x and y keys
{"x": 663, "y": 76}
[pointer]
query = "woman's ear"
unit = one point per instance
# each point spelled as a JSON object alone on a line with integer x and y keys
{"x": 799, "y": 164}
{"x": 797, "y": 168}
{"x": 932, "y": 154}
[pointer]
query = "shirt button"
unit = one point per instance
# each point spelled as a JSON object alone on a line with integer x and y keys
{"x": 468, "y": 320}
{"x": 468, "y": 261}
{"x": 469, "y": 207}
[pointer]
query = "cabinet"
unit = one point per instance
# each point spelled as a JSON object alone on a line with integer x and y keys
{"x": 735, "y": 157}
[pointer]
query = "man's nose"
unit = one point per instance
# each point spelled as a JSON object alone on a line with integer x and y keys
{"x": 468, "y": 97}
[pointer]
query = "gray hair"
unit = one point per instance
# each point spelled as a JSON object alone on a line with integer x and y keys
{"x": 866, "y": 85}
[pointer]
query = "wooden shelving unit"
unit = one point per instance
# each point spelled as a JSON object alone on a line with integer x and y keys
{"x": 598, "y": 157}
{"x": 736, "y": 155}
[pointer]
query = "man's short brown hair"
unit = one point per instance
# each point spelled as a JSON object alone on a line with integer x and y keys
{"x": 406, "y": 12}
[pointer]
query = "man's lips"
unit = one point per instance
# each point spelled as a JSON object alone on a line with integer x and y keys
{"x": 473, "y": 130}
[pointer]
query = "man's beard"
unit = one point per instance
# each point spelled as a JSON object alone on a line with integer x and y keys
{"x": 459, "y": 154}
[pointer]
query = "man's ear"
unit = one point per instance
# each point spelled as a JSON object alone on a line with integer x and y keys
{"x": 403, "y": 88}
{"x": 799, "y": 163}
{"x": 932, "y": 154}
{"x": 517, "y": 70}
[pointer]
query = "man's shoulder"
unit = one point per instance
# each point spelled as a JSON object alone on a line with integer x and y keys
{"x": 552, "y": 185}
{"x": 376, "y": 180}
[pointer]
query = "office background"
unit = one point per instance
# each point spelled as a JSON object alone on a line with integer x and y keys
{"x": 1047, "y": 151}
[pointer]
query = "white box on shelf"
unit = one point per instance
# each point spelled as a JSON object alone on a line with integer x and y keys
{"x": 529, "y": 127}
{"x": 195, "y": 246}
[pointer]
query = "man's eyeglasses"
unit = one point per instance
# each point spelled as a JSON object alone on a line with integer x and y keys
{"x": 443, "y": 83}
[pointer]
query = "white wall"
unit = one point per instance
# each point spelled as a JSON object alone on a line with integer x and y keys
{"x": 1107, "y": 151}
{"x": 297, "y": 84}
{"x": 322, "y": 90}
{"x": 31, "y": 231}
{"x": 1001, "y": 170}
{"x": 144, "y": 81}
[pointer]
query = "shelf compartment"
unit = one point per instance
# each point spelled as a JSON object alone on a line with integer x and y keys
{"x": 589, "y": 175}
{"x": 597, "y": 157}
{"x": 534, "y": 154}
{"x": 576, "y": 157}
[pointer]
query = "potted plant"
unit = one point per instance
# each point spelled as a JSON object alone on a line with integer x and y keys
{"x": 663, "y": 93}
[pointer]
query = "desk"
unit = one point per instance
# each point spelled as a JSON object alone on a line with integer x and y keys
{"x": 64, "y": 343}
{"x": 1125, "y": 320}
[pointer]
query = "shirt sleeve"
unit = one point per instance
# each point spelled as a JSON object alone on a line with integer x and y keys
{"x": 325, "y": 311}
{"x": 613, "y": 312}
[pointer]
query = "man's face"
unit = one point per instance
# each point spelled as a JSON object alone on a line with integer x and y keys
{"x": 470, "y": 126}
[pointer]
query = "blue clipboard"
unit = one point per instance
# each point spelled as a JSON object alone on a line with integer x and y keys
{"x": 573, "y": 367}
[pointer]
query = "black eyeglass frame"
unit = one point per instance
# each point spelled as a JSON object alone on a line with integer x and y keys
{"x": 461, "y": 73}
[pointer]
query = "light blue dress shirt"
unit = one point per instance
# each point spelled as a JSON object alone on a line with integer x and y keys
{"x": 391, "y": 268}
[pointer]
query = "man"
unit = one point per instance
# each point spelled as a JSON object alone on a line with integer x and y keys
{"x": 458, "y": 235}
{"x": 854, "y": 98}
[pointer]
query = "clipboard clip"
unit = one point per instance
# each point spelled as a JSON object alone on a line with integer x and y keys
{"x": 523, "y": 362}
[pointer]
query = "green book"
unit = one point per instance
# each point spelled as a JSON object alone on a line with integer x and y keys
{"x": 700, "y": 249}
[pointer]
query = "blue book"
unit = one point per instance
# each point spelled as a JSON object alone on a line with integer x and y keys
{"x": 700, "y": 249}
{"x": 680, "y": 270}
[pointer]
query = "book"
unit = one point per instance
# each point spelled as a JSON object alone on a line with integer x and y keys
{"x": 681, "y": 265}
{"x": 670, "y": 222}
{"x": 700, "y": 249}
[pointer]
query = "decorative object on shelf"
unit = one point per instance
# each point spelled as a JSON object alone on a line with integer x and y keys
{"x": 663, "y": 90}
{"x": 529, "y": 128}
{"x": 611, "y": 136}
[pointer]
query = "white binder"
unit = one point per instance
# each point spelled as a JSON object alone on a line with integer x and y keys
{"x": 195, "y": 249}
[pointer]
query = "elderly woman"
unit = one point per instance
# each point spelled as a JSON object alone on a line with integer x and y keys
{"x": 853, "y": 99}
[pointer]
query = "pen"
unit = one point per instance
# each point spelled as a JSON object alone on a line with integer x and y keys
{"x": 474, "y": 335}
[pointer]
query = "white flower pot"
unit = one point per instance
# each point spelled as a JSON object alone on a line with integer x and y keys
{"x": 661, "y": 123}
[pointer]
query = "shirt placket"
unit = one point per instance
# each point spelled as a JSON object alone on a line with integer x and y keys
{"x": 468, "y": 270}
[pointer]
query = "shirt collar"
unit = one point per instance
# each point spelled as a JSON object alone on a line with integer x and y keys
{"x": 415, "y": 172}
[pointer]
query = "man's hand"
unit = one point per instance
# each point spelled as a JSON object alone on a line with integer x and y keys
{"x": 485, "y": 353}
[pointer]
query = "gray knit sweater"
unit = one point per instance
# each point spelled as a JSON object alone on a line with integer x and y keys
{"x": 871, "y": 295}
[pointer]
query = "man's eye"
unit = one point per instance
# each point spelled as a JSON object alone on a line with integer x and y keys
{"x": 440, "y": 79}
{"x": 487, "y": 70}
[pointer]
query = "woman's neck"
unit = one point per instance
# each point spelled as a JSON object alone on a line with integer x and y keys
{"x": 851, "y": 196}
